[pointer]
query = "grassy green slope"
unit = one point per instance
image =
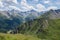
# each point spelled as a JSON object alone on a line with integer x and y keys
{"x": 54, "y": 29}
{"x": 17, "y": 37}
{"x": 51, "y": 33}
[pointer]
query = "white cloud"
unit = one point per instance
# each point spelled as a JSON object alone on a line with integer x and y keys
{"x": 40, "y": 7}
{"x": 15, "y": 1}
{"x": 35, "y": 0}
{"x": 25, "y": 5}
{"x": 7, "y": 6}
{"x": 1, "y": 4}
{"x": 14, "y": 7}
{"x": 47, "y": 1}
{"x": 57, "y": 3}
{"x": 52, "y": 7}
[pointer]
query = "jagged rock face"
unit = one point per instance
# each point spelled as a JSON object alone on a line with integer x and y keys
{"x": 54, "y": 14}
{"x": 4, "y": 14}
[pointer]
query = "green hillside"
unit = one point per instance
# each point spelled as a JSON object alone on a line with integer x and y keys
{"x": 51, "y": 32}
{"x": 41, "y": 29}
{"x": 17, "y": 37}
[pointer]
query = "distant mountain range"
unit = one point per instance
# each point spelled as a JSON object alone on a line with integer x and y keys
{"x": 16, "y": 13}
{"x": 52, "y": 14}
{"x": 12, "y": 18}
